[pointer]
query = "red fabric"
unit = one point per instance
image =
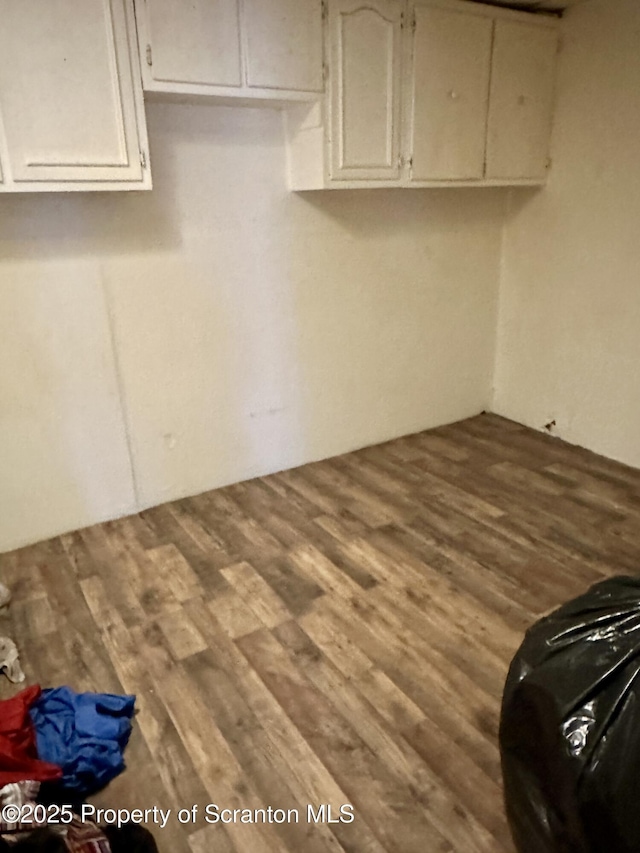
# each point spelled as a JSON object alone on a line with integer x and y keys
{"x": 18, "y": 755}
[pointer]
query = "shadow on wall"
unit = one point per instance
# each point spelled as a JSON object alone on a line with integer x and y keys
{"x": 83, "y": 225}
{"x": 372, "y": 213}
{"x": 25, "y": 425}
{"x": 62, "y": 449}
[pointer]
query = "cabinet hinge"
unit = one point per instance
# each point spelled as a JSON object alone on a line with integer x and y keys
{"x": 414, "y": 21}
{"x": 149, "y": 57}
{"x": 402, "y": 20}
{"x": 549, "y": 162}
{"x": 325, "y": 10}
{"x": 143, "y": 159}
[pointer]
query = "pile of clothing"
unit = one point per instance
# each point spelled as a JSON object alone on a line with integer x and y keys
{"x": 57, "y": 747}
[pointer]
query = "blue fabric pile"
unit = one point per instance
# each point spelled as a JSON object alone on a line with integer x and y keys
{"x": 84, "y": 733}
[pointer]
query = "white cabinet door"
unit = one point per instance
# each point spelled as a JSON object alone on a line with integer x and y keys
{"x": 283, "y": 41}
{"x": 365, "y": 79}
{"x": 71, "y": 106}
{"x": 190, "y": 43}
{"x": 449, "y": 94}
{"x": 521, "y": 104}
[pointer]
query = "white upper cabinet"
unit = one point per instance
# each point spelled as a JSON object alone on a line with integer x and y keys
{"x": 70, "y": 101}
{"x": 449, "y": 93}
{"x": 268, "y": 49}
{"x": 522, "y": 96}
{"x": 365, "y": 89}
{"x": 428, "y": 93}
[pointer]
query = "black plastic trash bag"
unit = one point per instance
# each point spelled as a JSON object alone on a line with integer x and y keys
{"x": 570, "y": 727}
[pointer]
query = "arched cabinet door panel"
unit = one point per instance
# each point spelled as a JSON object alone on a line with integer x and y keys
{"x": 70, "y": 101}
{"x": 365, "y": 82}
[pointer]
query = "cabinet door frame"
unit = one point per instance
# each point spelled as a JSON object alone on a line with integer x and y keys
{"x": 133, "y": 172}
{"x": 337, "y": 171}
{"x": 460, "y": 11}
{"x": 547, "y": 94}
{"x": 147, "y": 50}
{"x": 317, "y": 88}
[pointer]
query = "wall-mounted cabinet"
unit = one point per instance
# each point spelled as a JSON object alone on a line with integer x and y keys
{"x": 71, "y": 108}
{"x": 398, "y": 93}
{"x": 248, "y": 49}
{"x": 428, "y": 93}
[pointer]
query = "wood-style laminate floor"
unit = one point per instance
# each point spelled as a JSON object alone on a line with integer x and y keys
{"x": 335, "y": 634}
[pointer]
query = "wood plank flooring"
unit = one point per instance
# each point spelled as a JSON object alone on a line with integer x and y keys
{"x": 335, "y": 634}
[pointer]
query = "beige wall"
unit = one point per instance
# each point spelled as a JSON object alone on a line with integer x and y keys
{"x": 154, "y": 345}
{"x": 569, "y": 330}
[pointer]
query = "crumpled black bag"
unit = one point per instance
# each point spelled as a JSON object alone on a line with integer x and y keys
{"x": 570, "y": 727}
